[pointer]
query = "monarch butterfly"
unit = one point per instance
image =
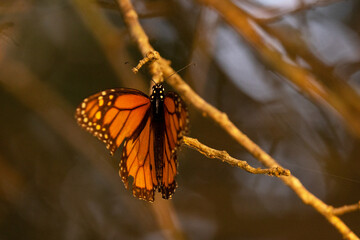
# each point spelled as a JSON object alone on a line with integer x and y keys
{"x": 151, "y": 129}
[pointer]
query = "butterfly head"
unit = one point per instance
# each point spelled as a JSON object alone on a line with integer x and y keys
{"x": 158, "y": 93}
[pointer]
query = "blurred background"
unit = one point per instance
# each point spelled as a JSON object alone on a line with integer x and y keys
{"x": 59, "y": 182}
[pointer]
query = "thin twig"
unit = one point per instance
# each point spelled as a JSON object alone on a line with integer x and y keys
{"x": 225, "y": 157}
{"x": 346, "y": 209}
{"x": 150, "y": 56}
{"x": 307, "y": 197}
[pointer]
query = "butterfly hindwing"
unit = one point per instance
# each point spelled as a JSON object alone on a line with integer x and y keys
{"x": 138, "y": 161}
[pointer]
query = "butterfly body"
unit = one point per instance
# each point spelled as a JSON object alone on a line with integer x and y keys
{"x": 157, "y": 110}
{"x": 151, "y": 129}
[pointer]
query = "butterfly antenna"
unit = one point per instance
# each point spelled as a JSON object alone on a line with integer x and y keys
{"x": 180, "y": 70}
{"x": 176, "y": 72}
{"x": 153, "y": 81}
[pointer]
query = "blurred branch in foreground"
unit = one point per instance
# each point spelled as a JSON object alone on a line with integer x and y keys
{"x": 139, "y": 36}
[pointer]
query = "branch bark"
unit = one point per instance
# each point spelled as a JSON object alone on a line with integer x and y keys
{"x": 225, "y": 157}
{"x": 346, "y": 209}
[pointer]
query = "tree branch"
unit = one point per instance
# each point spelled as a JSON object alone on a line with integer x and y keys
{"x": 225, "y": 157}
{"x": 346, "y": 209}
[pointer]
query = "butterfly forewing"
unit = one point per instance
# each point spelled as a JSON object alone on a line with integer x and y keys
{"x": 113, "y": 115}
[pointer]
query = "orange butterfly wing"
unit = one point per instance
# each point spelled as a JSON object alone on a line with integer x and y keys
{"x": 113, "y": 115}
{"x": 176, "y": 122}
